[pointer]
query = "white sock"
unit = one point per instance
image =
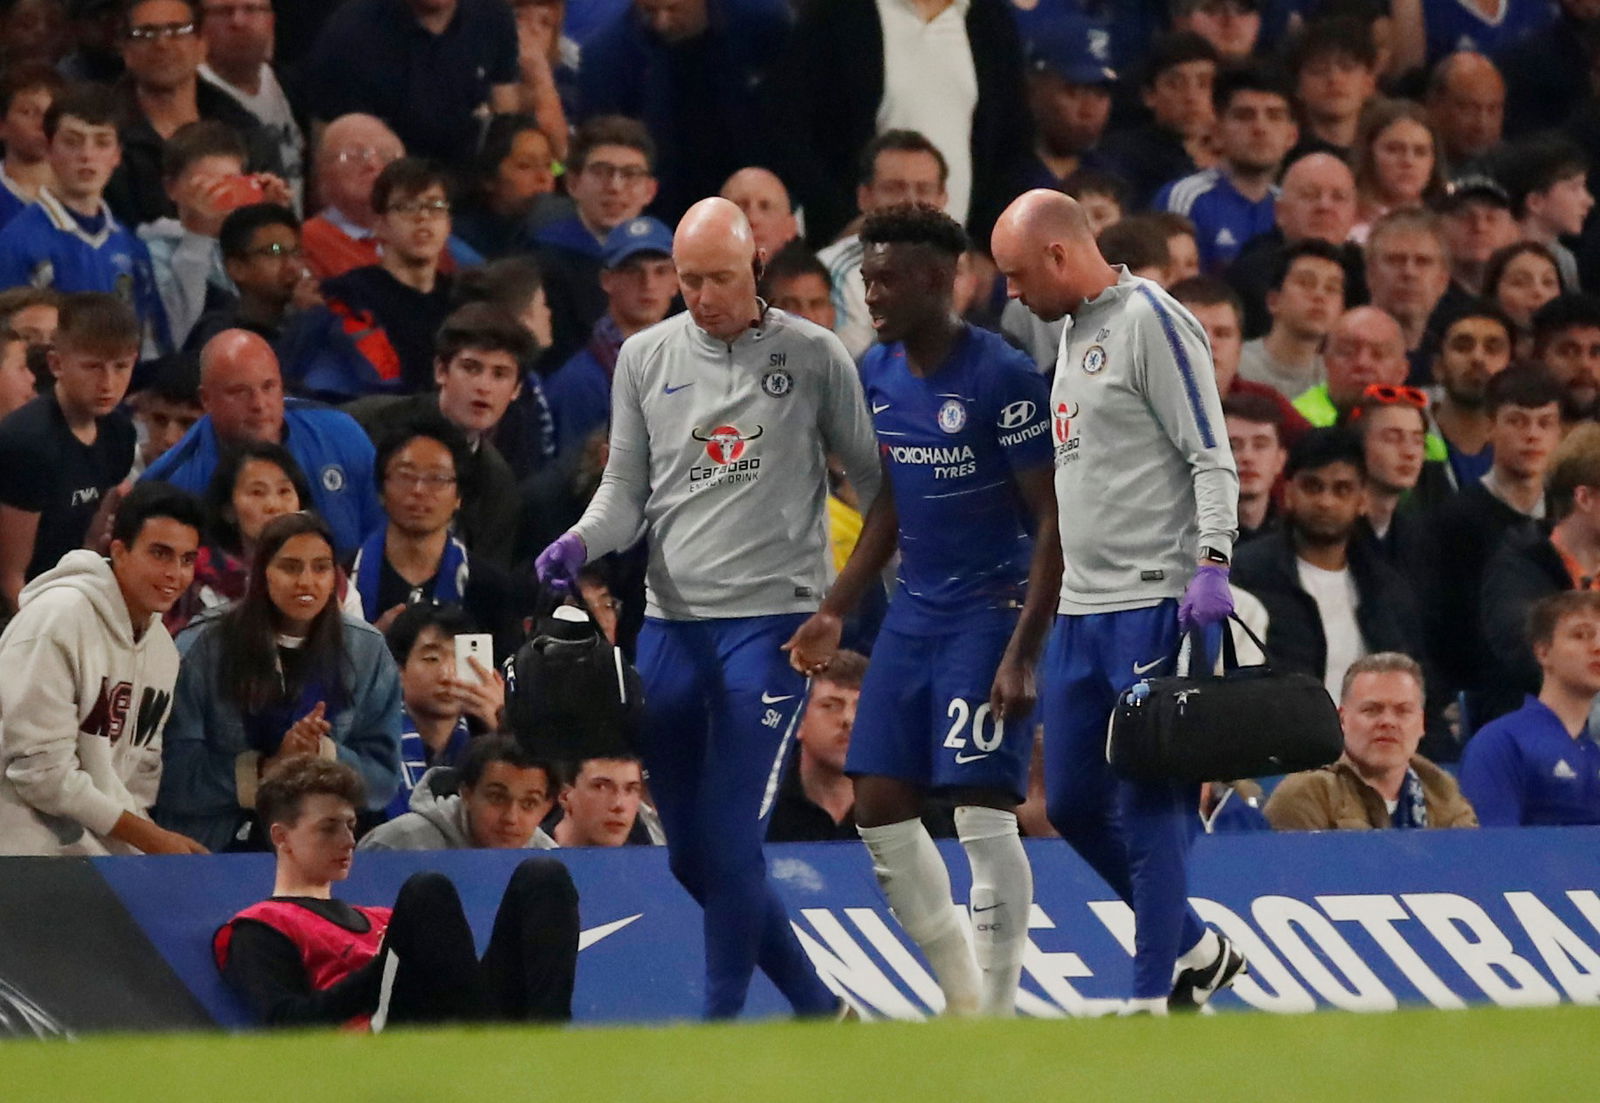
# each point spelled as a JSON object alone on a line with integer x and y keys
{"x": 1002, "y": 897}
{"x": 1202, "y": 953}
{"x": 917, "y": 885}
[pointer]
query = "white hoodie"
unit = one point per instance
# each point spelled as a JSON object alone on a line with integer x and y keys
{"x": 81, "y": 711}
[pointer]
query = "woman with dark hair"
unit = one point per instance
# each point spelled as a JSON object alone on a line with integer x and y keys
{"x": 1520, "y": 278}
{"x": 281, "y": 673}
{"x": 513, "y": 171}
{"x": 255, "y": 481}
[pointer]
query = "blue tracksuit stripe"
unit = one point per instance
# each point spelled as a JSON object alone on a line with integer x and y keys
{"x": 1191, "y": 387}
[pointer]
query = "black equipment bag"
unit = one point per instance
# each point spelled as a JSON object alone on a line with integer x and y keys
{"x": 570, "y": 695}
{"x": 1248, "y": 722}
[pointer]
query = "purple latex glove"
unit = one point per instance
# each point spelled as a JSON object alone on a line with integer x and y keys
{"x": 558, "y": 565}
{"x": 1207, "y": 601}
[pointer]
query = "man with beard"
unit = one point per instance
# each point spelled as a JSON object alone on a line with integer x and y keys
{"x": 1474, "y": 348}
{"x": 1566, "y": 339}
{"x": 1330, "y": 597}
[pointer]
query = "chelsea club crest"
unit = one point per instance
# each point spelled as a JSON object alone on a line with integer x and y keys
{"x": 1094, "y": 359}
{"x": 777, "y": 382}
{"x": 952, "y": 416}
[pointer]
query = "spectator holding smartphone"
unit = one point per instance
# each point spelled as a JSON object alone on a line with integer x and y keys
{"x": 202, "y": 168}
{"x": 283, "y": 673}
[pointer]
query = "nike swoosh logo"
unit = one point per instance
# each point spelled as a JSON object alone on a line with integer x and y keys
{"x": 990, "y": 908}
{"x": 962, "y": 759}
{"x": 1147, "y": 667}
{"x": 879, "y": 409}
{"x": 595, "y": 934}
{"x": 768, "y": 699}
{"x": 668, "y": 389}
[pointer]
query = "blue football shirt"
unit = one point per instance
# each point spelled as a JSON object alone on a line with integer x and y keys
{"x": 950, "y": 442}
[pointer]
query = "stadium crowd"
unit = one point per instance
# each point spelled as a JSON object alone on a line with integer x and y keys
{"x": 309, "y": 317}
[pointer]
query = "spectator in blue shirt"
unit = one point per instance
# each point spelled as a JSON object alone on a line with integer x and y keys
{"x": 25, "y": 94}
{"x": 1541, "y": 764}
{"x": 640, "y": 283}
{"x": 241, "y": 389}
{"x": 69, "y": 239}
{"x": 1234, "y": 201}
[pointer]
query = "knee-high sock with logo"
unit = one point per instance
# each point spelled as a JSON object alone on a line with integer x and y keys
{"x": 917, "y": 885}
{"x": 1002, "y": 897}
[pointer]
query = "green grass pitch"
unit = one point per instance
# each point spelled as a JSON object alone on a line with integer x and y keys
{"x": 1482, "y": 1054}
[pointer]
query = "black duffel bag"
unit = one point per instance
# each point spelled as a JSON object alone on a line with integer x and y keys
{"x": 570, "y": 695}
{"x": 1248, "y": 722}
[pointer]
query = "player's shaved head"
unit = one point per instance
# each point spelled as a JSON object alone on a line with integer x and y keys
{"x": 715, "y": 253}
{"x": 1045, "y": 248}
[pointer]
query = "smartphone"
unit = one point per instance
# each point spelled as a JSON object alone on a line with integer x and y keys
{"x": 478, "y": 645}
{"x": 240, "y": 191}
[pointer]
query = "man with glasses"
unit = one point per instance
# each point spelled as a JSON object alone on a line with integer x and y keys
{"x": 162, "y": 91}
{"x": 375, "y": 335}
{"x": 351, "y": 153}
{"x": 611, "y": 179}
{"x": 239, "y": 40}
{"x": 1365, "y": 346}
{"x": 262, "y": 256}
{"x": 415, "y": 555}
{"x": 241, "y": 391}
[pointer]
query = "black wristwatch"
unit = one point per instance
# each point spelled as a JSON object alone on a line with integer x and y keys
{"x": 1212, "y": 555}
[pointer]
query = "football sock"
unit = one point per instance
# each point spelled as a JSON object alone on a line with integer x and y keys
{"x": 1202, "y": 953}
{"x": 1002, "y": 897}
{"x": 917, "y": 885}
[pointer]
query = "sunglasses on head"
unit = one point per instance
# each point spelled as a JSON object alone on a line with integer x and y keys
{"x": 1388, "y": 394}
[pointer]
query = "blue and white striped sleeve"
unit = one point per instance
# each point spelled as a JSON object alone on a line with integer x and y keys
{"x": 1181, "y": 388}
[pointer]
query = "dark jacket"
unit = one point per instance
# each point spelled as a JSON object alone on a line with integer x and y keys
{"x": 823, "y": 103}
{"x": 1525, "y": 568}
{"x": 699, "y": 98}
{"x": 1146, "y": 157}
{"x": 1387, "y": 614}
{"x": 1466, "y": 531}
{"x": 491, "y": 505}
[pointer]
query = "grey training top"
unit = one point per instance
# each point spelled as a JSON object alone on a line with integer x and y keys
{"x": 719, "y": 451}
{"x": 1144, "y": 474}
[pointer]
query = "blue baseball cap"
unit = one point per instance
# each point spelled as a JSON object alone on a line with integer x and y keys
{"x": 1073, "y": 49}
{"x": 637, "y": 235}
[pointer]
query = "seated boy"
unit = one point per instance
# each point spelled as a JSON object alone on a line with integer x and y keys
{"x": 301, "y": 957}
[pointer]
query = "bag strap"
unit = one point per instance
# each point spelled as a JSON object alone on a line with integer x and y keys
{"x": 1193, "y": 642}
